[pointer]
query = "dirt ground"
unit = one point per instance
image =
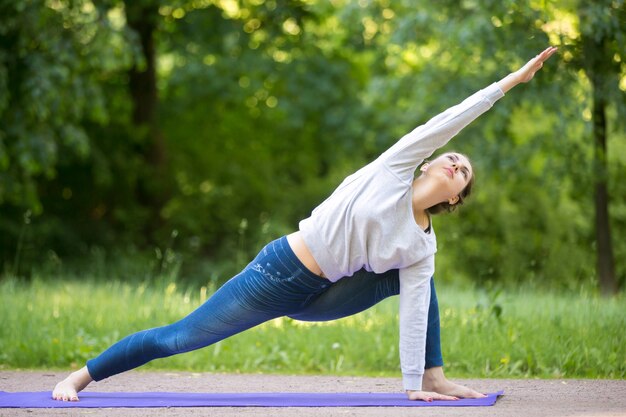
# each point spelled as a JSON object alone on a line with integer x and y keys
{"x": 528, "y": 398}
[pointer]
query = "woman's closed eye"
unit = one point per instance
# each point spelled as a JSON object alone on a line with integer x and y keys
{"x": 455, "y": 159}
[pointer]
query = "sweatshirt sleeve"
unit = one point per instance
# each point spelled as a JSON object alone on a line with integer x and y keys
{"x": 414, "y": 303}
{"x": 405, "y": 155}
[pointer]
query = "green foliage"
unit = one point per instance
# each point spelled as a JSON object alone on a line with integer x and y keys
{"x": 532, "y": 214}
{"x": 265, "y": 106}
{"x": 273, "y": 107}
{"x": 51, "y": 59}
{"x": 486, "y": 334}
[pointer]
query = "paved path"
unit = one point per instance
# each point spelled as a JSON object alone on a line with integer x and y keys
{"x": 523, "y": 397}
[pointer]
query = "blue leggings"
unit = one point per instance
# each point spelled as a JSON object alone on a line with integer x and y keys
{"x": 274, "y": 284}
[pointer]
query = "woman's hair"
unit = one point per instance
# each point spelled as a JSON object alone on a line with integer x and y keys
{"x": 446, "y": 207}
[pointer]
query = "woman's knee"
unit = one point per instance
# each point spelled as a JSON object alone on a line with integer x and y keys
{"x": 174, "y": 339}
{"x": 350, "y": 296}
{"x": 159, "y": 342}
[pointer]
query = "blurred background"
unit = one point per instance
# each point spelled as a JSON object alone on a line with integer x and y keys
{"x": 151, "y": 137}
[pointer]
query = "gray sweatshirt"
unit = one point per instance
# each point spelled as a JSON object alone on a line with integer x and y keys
{"x": 368, "y": 222}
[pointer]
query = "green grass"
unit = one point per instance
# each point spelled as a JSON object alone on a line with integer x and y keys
{"x": 61, "y": 324}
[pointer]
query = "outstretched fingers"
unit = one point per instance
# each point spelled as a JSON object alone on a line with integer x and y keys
{"x": 547, "y": 53}
{"x": 542, "y": 56}
{"x": 527, "y": 72}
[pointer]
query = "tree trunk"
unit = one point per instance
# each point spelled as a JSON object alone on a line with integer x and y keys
{"x": 142, "y": 18}
{"x": 596, "y": 61}
{"x": 605, "y": 261}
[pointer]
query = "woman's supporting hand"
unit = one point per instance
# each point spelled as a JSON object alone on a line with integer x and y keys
{"x": 428, "y": 396}
{"x": 527, "y": 72}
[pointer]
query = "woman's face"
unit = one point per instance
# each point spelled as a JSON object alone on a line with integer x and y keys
{"x": 453, "y": 171}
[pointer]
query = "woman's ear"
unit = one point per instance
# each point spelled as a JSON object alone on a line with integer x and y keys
{"x": 424, "y": 167}
{"x": 452, "y": 201}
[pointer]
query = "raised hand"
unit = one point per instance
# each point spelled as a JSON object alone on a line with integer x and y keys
{"x": 527, "y": 72}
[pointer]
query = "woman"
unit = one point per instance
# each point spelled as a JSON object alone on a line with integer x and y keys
{"x": 377, "y": 220}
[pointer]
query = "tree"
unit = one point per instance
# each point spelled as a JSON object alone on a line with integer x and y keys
{"x": 47, "y": 89}
{"x": 602, "y": 50}
{"x": 228, "y": 121}
{"x": 457, "y": 45}
{"x": 51, "y": 57}
{"x": 154, "y": 187}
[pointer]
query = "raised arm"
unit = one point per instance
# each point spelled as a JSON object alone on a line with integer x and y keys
{"x": 527, "y": 72}
{"x": 405, "y": 155}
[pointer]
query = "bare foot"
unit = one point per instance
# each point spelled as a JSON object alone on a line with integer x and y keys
{"x": 435, "y": 380}
{"x": 68, "y": 389}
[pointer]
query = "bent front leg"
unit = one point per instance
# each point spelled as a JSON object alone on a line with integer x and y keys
{"x": 352, "y": 295}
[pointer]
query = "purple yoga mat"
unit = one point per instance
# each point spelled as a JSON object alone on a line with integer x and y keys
{"x": 43, "y": 399}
